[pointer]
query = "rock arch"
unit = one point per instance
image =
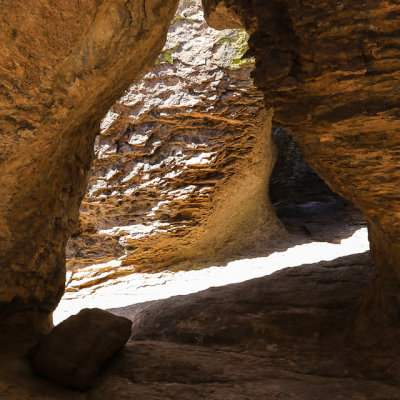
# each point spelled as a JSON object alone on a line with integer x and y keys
{"x": 182, "y": 163}
{"x": 329, "y": 69}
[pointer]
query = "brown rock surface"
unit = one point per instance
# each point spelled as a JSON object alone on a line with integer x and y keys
{"x": 62, "y": 65}
{"x": 330, "y": 70}
{"x": 182, "y": 162}
{"x": 75, "y": 350}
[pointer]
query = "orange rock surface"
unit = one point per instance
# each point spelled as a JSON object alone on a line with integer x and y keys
{"x": 182, "y": 163}
{"x": 63, "y": 64}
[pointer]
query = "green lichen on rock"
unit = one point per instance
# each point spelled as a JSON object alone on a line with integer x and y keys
{"x": 235, "y": 44}
{"x": 183, "y": 4}
{"x": 166, "y": 56}
{"x": 180, "y": 15}
{"x": 180, "y": 18}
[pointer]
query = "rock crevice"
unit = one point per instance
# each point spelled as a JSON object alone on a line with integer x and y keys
{"x": 182, "y": 164}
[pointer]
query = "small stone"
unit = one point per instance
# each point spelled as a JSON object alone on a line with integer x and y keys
{"x": 74, "y": 351}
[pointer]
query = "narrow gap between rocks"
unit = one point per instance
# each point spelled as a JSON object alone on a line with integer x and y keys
{"x": 304, "y": 202}
{"x": 177, "y": 199}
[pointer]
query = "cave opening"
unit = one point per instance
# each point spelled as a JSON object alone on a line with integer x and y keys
{"x": 287, "y": 334}
{"x": 303, "y": 201}
{"x": 180, "y": 183}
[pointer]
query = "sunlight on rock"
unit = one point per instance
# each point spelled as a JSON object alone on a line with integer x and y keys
{"x": 138, "y": 288}
{"x": 184, "y": 144}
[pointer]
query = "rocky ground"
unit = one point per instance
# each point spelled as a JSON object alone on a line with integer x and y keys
{"x": 283, "y": 336}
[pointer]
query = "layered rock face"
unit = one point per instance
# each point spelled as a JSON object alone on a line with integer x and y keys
{"x": 330, "y": 69}
{"x": 62, "y": 66}
{"x": 182, "y": 162}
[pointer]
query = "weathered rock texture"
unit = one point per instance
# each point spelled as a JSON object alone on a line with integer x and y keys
{"x": 182, "y": 162}
{"x": 330, "y": 69}
{"x": 75, "y": 350}
{"x": 63, "y": 64}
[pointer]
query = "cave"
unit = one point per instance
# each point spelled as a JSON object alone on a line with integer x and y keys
{"x": 326, "y": 73}
{"x": 303, "y": 201}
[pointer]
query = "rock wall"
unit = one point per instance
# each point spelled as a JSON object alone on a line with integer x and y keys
{"x": 61, "y": 67}
{"x": 182, "y": 163}
{"x": 330, "y": 70}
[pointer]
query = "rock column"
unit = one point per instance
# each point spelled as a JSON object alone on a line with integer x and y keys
{"x": 61, "y": 67}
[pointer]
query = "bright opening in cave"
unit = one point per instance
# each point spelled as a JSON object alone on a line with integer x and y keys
{"x": 181, "y": 176}
{"x": 141, "y": 287}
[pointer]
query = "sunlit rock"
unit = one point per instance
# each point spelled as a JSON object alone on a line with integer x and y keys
{"x": 182, "y": 163}
{"x": 62, "y": 65}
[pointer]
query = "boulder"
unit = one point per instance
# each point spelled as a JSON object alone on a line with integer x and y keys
{"x": 75, "y": 350}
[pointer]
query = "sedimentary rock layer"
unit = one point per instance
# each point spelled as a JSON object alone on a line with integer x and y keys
{"x": 62, "y": 65}
{"x": 331, "y": 71}
{"x": 182, "y": 162}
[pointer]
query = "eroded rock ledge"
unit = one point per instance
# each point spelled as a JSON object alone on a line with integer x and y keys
{"x": 330, "y": 70}
{"x": 62, "y": 66}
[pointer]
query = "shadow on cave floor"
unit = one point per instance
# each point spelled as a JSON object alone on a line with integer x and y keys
{"x": 283, "y": 336}
{"x": 307, "y": 304}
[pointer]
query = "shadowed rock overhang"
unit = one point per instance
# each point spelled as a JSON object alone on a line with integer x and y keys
{"x": 330, "y": 69}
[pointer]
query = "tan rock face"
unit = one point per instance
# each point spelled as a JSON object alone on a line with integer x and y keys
{"x": 330, "y": 69}
{"x": 62, "y": 66}
{"x": 182, "y": 162}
